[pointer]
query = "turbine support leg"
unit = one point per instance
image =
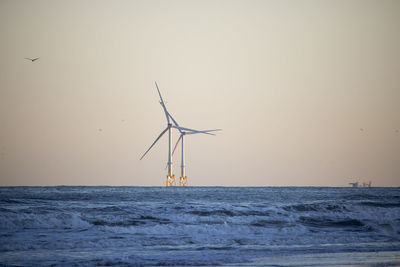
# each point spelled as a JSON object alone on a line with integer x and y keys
{"x": 170, "y": 179}
{"x": 183, "y": 181}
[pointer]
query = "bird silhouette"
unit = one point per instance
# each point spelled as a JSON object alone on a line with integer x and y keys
{"x": 32, "y": 59}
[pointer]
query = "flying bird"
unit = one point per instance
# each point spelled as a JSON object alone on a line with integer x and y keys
{"x": 32, "y": 59}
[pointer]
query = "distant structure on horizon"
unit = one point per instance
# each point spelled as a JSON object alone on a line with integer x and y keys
{"x": 357, "y": 184}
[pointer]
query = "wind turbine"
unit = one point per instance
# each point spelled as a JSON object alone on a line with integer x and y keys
{"x": 170, "y": 177}
{"x": 183, "y": 181}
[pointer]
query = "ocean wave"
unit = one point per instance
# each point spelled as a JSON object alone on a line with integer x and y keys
{"x": 381, "y": 204}
{"x": 321, "y": 217}
{"x": 222, "y": 212}
{"x": 10, "y": 201}
{"x": 328, "y": 222}
{"x": 269, "y": 223}
{"x": 127, "y": 222}
{"x": 42, "y": 221}
{"x": 317, "y": 207}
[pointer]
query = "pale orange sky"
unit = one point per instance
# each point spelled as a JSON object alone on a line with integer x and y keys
{"x": 306, "y": 92}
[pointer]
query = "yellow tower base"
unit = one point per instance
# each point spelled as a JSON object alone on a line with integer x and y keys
{"x": 171, "y": 180}
{"x": 183, "y": 181}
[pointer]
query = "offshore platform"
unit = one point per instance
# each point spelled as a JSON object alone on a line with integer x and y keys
{"x": 357, "y": 184}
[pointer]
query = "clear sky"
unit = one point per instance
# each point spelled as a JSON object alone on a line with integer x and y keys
{"x": 307, "y": 92}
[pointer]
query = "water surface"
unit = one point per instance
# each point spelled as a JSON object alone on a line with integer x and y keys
{"x": 199, "y": 225}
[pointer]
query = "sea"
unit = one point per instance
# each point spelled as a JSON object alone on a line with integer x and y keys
{"x": 199, "y": 226}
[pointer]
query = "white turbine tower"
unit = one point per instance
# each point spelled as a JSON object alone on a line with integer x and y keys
{"x": 170, "y": 177}
{"x": 183, "y": 181}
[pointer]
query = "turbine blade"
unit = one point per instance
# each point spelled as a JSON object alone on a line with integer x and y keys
{"x": 203, "y": 132}
{"x": 159, "y": 92}
{"x": 174, "y": 121}
{"x": 176, "y": 145}
{"x": 200, "y": 132}
{"x": 163, "y": 132}
{"x": 162, "y": 103}
{"x": 185, "y": 129}
{"x": 192, "y": 131}
{"x": 165, "y": 111}
{"x": 213, "y": 130}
